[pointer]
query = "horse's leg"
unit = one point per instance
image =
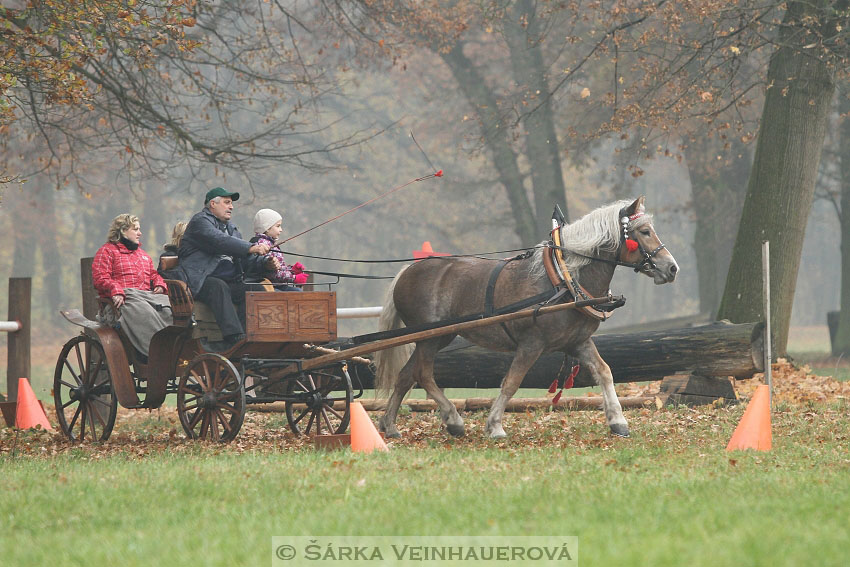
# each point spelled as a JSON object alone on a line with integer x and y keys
{"x": 448, "y": 412}
{"x": 419, "y": 368}
{"x": 588, "y": 356}
{"x": 406, "y": 379}
{"x": 526, "y": 356}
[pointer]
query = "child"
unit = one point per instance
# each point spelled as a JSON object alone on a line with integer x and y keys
{"x": 267, "y": 229}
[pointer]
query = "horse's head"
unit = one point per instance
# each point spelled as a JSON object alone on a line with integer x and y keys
{"x": 650, "y": 256}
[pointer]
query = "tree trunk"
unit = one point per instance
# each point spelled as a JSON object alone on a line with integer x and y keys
{"x": 719, "y": 349}
{"x": 523, "y": 36}
{"x": 496, "y": 138}
{"x": 717, "y": 189}
{"x": 51, "y": 259}
{"x": 841, "y": 344}
{"x": 782, "y": 181}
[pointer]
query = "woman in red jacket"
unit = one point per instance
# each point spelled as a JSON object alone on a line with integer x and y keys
{"x": 124, "y": 273}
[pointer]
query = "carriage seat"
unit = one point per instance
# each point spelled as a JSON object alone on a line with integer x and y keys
{"x": 184, "y": 307}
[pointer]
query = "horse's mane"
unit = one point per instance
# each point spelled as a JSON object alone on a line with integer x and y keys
{"x": 596, "y": 232}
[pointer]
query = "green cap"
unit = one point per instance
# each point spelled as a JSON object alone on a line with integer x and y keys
{"x": 220, "y": 192}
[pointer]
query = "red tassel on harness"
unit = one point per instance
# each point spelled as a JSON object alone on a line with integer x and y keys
{"x": 568, "y": 383}
{"x": 556, "y": 398}
{"x": 631, "y": 245}
{"x": 553, "y": 386}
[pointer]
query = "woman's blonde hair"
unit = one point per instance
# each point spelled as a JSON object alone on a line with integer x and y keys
{"x": 177, "y": 234}
{"x": 119, "y": 224}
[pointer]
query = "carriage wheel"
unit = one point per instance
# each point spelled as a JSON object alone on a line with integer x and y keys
{"x": 86, "y": 404}
{"x": 318, "y": 403}
{"x": 211, "y": 399}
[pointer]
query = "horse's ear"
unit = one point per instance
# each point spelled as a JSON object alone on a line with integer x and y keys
{"x": 636, "y": 207}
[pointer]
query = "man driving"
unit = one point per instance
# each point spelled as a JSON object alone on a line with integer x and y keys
{"x": 213, "y": 257}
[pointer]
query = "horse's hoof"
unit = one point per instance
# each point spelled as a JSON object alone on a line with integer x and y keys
{"x": 455, "y": 430}
{"x": 619, "y": 430}
{"x": 392, "y": 435}
{"x": 497, "y": 433}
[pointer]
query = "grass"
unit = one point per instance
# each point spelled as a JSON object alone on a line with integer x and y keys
{"x": 670, "y": 495}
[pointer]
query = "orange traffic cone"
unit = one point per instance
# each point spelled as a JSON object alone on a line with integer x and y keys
{"x": 753, "y": 431}
{"x": 364, "y": 437}
{"x": 427, "y": 251}
{"x": 29, "y": 412}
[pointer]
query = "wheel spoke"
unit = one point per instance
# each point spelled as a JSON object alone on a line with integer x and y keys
{"x": 100, "y": 400}
{"x": 74, "y": 374}
{"x": 310, "y": 421}
{"x": 222, "y": 405}
{"x": 223, "y": 420}
{"x": 207, "y": 385}
{"x": 327, "y": 421}
{"x": 68, "y": 403}
{"x": 83, "y": 422}
{"x": 91, "y": 422}
{"x": 187, "y": 408}
{"x": 76, "y": 415}
{"x": 82, "y": 367}
{"x": 93, "y": 375}
{"x": 199, "y": 380}
{"x": 94, "y": 410}
{"x": 187, "y": 389}
{"x": 214, "y": 427}
{"x": 300, "y": 416}
{"x": 194, "y": 421}
{"x": 333, "y": 411}
{"x": 72, "y": 386}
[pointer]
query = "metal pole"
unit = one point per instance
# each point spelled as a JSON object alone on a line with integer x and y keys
{"x": 768, "y": 356}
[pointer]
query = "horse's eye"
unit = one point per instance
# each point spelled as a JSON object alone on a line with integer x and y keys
{"x": 645, "y": 232}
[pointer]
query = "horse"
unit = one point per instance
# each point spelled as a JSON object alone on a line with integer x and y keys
{"x": 445, "y": 288}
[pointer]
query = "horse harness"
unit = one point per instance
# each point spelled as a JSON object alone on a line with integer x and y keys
{"x": 563, "y": 282}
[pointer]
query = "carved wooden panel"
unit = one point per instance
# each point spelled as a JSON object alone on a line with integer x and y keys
{"x": 308, "y": 316}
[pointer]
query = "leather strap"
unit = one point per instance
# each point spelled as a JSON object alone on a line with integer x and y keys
{"x": 561, "y": 271}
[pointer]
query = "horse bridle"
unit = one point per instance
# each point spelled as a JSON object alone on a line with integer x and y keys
{"x": 625, "y": 222}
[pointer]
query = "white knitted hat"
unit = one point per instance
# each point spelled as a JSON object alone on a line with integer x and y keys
{"x": 265, "y": 219}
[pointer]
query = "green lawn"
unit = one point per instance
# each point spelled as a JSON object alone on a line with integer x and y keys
{"x": 670, "y": 495}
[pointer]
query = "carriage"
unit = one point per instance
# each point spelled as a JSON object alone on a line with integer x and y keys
{"x": 99, "y": 368}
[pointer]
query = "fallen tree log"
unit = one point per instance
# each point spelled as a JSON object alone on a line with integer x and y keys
{"x": 473, "y": 404}
{"x": 718, "y": 349}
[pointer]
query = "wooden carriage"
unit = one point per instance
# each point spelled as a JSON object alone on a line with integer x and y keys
{"x": 99, "y": 368}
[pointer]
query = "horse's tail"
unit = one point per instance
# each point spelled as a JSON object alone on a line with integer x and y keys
{"x": 389, "y": 362}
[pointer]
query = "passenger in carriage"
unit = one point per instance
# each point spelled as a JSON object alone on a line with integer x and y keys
{"x": 124, "y": 273}
{"x": 213, "y": 260}
{"x": 267, "y": 229}
{"x": 170, "y": 251}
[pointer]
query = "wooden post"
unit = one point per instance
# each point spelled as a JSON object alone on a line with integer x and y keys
{"x": 18, "y": 357}
{"x": 90, "y": 306}
{"x": 768, "y": 356}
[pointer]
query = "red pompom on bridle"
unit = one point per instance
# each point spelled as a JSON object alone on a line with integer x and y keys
{"x": 631, "y": 245}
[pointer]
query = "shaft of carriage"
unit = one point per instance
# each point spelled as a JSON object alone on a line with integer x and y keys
{"x": 414, "y": 336}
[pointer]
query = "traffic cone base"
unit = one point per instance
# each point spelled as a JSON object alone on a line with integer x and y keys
{"x": 753, "y": 431}
{"x": 364, "y": 437}
{"x": 29, "y": 412}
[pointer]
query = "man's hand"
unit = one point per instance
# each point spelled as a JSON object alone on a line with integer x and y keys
{"x": 261, "y": 249}
{"x": 272, "y": 264}
{"x": 117, "y": 301}
{"x": 159, "y": 289}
